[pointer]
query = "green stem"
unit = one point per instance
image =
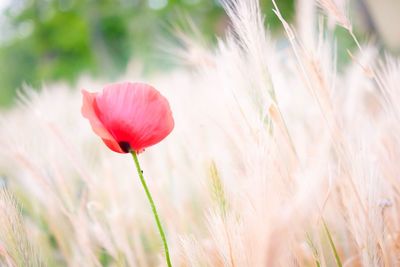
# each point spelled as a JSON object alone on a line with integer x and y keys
{"x": 335, "y": 253}
{"x": 153, "y": 207}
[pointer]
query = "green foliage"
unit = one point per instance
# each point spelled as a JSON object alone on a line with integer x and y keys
{"x": 64, "y": 39}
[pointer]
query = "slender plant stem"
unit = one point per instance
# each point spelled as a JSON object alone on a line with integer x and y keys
{"x": 335, "y": 253}
{"x": 153, "y": 207}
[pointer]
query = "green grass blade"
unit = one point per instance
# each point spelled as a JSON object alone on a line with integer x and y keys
{"x": 337, "y": 258}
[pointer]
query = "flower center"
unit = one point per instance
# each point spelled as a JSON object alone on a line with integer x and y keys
{"x": 125, "y": 146}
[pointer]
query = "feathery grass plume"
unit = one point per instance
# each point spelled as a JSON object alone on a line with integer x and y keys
{"x": 217, "y": 189}
{"x": 337, "y": 11}
{"x": 305, "y": 21}
{"x": 16, "y": 249}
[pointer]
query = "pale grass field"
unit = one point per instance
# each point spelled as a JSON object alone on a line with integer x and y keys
{"x": 277, "y": 159}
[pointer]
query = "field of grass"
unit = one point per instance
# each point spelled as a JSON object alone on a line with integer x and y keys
{"x": 278, "y": 158}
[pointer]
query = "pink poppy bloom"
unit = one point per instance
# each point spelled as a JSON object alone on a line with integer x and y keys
{"x": 128, "y": 116}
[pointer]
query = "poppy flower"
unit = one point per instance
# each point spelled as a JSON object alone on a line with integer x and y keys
{"x": 128, "y": 116}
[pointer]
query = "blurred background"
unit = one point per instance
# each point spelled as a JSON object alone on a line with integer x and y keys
{"x": 44, "y": 41}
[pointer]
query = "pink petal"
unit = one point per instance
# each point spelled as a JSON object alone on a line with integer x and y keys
{"x": 90, "y": 111}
